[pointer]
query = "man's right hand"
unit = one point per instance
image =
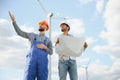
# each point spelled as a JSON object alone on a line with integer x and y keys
{"x": 85, "y": 45}
{"x": 41, "y": 46}
{"x": 57, "y": 41}
{"x": 12, "y": 17}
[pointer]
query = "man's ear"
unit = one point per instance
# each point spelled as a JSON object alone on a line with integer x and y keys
{"x": 68, "y": 28}
{"x": 45, "y": 29}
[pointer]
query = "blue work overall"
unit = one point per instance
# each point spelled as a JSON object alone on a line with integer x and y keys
{"x": 37, "y": 62}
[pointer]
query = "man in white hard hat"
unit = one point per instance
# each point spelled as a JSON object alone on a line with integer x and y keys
{"x": 67, "y": 63}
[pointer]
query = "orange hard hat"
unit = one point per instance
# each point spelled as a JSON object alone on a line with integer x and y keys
{"x": 43, "y": 22}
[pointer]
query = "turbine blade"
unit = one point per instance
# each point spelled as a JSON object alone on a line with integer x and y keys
{"x": 43, "y": 8}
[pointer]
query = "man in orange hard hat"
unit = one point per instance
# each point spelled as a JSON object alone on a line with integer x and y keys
{"x": 41, "y": 46}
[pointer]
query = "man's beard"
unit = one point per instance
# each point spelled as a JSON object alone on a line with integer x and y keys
{"x": 63, "y": 30}
{"x": 41, "y": 29}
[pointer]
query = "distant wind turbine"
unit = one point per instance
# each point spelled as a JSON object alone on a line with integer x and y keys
{"x": 86, "y": 69}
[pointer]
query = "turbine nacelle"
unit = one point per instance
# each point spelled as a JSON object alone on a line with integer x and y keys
{"x": 49, "y": 15}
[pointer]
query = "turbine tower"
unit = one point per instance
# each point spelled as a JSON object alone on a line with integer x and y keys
{"x": 86, "y": 69}
{"x": 49, "y": 16}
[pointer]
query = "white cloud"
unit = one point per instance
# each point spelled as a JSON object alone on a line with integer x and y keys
{"x": 13, "y": 48}
{"x": 112, "y": 33}
{"x": 90, "y": 40}
{"x": 116, "y": 67}
{"x": 76, "y": 26}
{"x": 54, "y": 65}
{"x": 85, "y": 1}
{"x": 115, "y": 70}
{"x": 112, "y": 36}
{"x": 103, "y": 72}
{"x": 55, "y": 35}
{"x": 101, "y": 49}
{"x": 98, "y": 72}
{"x": 12, "y": 56}
{"x": 5, "y": 28}
{"x": 27, "y": 28}
{"x": 99, "y": 5}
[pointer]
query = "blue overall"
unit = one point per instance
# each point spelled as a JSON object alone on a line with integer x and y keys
{"x": 37, "y": 62}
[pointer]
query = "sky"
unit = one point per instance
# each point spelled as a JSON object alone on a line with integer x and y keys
{"x": 96, "y": 20}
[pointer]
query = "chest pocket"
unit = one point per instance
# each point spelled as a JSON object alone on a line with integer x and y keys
{"x": 42, "y": 41}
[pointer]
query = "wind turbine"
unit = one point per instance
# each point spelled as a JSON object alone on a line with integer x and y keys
{"x": 86, "y": 69}
{"x": 49, "y": 16}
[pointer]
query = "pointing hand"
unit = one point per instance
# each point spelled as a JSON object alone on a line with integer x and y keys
{"x": 12, "y": 17}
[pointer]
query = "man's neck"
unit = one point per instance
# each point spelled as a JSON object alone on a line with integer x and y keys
{"x": 65, "y": 33}
{"x": 42, "y": 33}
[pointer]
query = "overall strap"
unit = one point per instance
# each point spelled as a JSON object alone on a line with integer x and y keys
{"x": 45, "y": 40}
{"x": 35, "y": 37}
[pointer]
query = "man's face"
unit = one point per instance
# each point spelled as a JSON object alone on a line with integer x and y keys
{"x": 64, "y": 28}
{"x": 42, "y": 28}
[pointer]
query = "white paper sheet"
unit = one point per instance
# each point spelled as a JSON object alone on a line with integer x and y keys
{"x": 70, "y": 46}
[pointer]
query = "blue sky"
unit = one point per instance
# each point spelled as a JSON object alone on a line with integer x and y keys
{"x": 96, "y": 20}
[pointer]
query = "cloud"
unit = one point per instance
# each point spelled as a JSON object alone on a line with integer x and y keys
{"x": 115, "y": 70}
{"x": 13, "y": 49}
{"x": 102, "y": 72}
{"x": 85, "y": 1}
{"x": 98, "y": 72}
{"x": 76, "y": 26}
{"x": 55, "y": 35}
{"x": 99, "y": 5}
{"x": 90, "y": 40}
{"x": 54, "y": 62}
{"x": 5, "y": 28}
{"x": 111, "y": 35}
{"x": 12, "y": 56}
